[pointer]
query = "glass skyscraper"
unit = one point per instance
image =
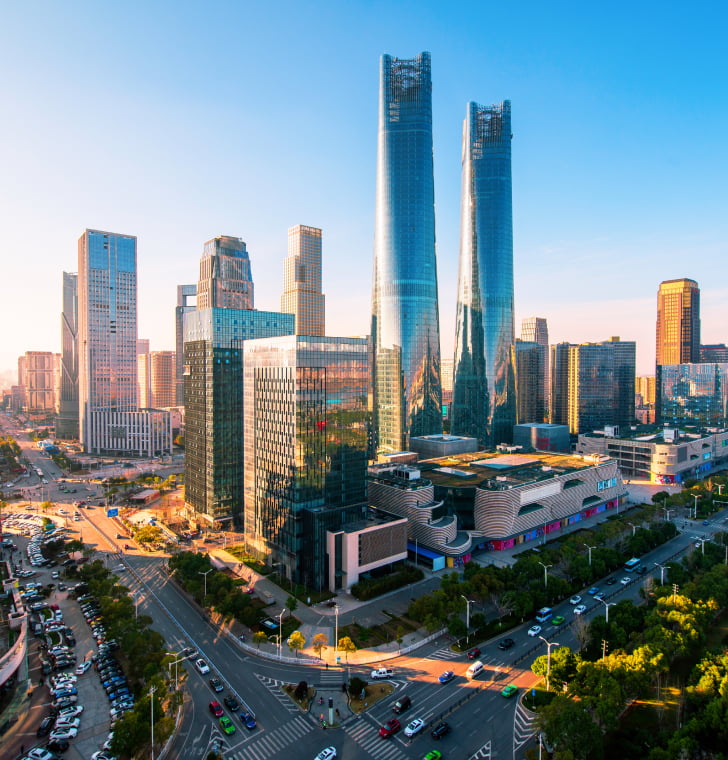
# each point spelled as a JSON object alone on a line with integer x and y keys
{"x": 692, "y": 394}
{"x": 302, "y": 294}
{"x": 484, "y": 403}
{"x": 405, "y": 321}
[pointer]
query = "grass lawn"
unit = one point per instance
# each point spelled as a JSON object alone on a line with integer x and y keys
{"x": 365, "y": 637}
{"x": 373, "y": 693}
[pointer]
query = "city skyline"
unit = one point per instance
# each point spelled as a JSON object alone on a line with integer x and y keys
{"x": 602, "y": 184}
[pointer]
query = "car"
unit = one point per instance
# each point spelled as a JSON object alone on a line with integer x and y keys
{"x": 414, "y": 727}
{"x": 593, "y": 590}
{"x": 440, "y": 730}
{"x": 601, "y": 595}
{"x": 64, "y": 702}
{"x": 55, "y": 575}
{"x": 227, "y": 725}
{"x": 641, "y": 570}
{"x": 611, "y": 581}
{"x": 558, "y": 620}
{"x": 580, "y": 609}
{"x": 328, "y": 753}
{"x": 505, "y": 644}
{"x": 216, "y": 685}
{"x": 83, "y": 667}
{"x": 474, "y": 653}
{"x": 40, "y": 753}
{"x": 248, "y": 720}
{"x": 705, "y": 522}
{"x": 62, "y": 722}
{"x": 509, "y": 691}
{"x": 534, "y": 630}
{"x": 575, "y": 599}
{"x": 188, "y": 652}
{"x": 202, "y": 666}
{"x": 59, "y": 745}
{"x": 624, "y": 581}
{"x": 216, "y": 708}
{"x": 63, "y": 733}
{"x": 433, "y": 754}
{"x": 70, "y": 712}
{"x": 102, "y": 755}
{"x": 390, "y": 728}
{"x": 231, "y": 703}
{"x": 447, "y": 676}
{"x": 45, "y": 726}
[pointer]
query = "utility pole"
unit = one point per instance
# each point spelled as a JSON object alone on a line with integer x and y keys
{"x": 549, "y": 644}
{"x": 205, "y": 574}
{"x": 662, "y": 572}
{"x": 604, "y": 648}
{"x": 675, "y": 589}
{"x": 545, "y": 574}
{"x": 468, "y": 602}
{"x": 590, "y": 551}
{"x": 634, "y": 527}
{"x": 607, "y": 605}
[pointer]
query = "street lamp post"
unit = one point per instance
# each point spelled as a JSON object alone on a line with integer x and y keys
{"x": 696, "y": 497}
{"x": 545, "y": 574}
{"x": 590, "y": 551}
{"x": 702, "y": 544}
{"x": 667, "y": 513}
{"x": 205, "y": 574}
{"x": 336, "y": 635}
{"x": 549, "y": 644}
{"x": 175, "y": 654}
{"x": 634, "y": 527}
{"x": 607, "y": 605}
{"x": 152, "y": 689}
{"x": 662, "y": 572}
{"x": 280, "y": 632}
{"x": 468, "y": 602}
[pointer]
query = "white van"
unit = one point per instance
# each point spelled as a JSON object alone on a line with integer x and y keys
{"x": 474, "y": 669}
{"x": 380, "y": 673}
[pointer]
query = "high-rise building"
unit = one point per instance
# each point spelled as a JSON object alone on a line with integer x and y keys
{"x": 405, "y": 321}
{"x": 536, "y": 330}
{"x": 302, "y": 294}
{"x": 678, "y": 322}
{"x": 693, "y": 394}
{"x": 714, "y": 352}
{"x": 186, "y": 296}
{"x": 306, "y": 439}
{"x": 156, "y": 373}
{"x": 484, "y": 403}
{"x": 559, "y": 385}
{"x": 529, "y": 359}
{"x": 110, "y": 421}
{"x": 225, "y": 278}
{"x": 645, "y": 388}
{"x": 36, "y": 374}
{"x": 67, "y": 420}
{"x": 625, "y": 369}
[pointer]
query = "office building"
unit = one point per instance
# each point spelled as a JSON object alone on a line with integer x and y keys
{"x": 302, "y": 294}
{"x": 306, "y": 438}
{"x": 535, "y": 330}
{"x": 678, "y": 322}
{"x": 559, "y": 385}
{"x": 484, "y": 398}
{"x": 542, "y": 436}
{"x": 405, "y": 321}
{"x": 714, "y": 353}
{"x": 36, "y": 375}
{"x": 67, "y": 402}
{"x": 157, "y": 382}
{"x": 692, "y": 394}
{"x": 529, "y": 360}
{"x": 225, "y": 279}
{"x": 645, "y": 390}
{"x": 186, "y": 302}
{"x": 109, "y": 418}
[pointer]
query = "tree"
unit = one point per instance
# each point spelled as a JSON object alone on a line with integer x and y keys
{"x": 563, "y": 667}
{"x": 570, "y": 728}
{"x": 296, "y": 642}
{"x": 356, "y": 686}
{"x": 319, "y": 643}
{"x": 456, "y": 628}
{"x": 301, "y": 690}
{"x": 291, "y": 604}
{"x": 259, "y": 637}
{"x": 346, "y": 645}
{"x": 399, "y": 636}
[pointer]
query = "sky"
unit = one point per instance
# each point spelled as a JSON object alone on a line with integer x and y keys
{"x": 180, "y": 121}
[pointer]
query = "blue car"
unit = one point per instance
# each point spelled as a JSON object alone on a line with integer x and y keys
{"x": 593, "y": 590}
{"x": 448, "y": 675}
{"x": 248, "y": 720}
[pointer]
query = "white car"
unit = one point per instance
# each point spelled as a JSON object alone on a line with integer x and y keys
{"x": 70, "y": 712}
{"x": 202, "y": 666}
{"x": 62, "y": 722}
{"x": 326, "y": 754}
{"x": 575, "y": 599}
{"x": 624, "y": 581}
{"x": 579, "y": 609}
{"x": 414, "y": 727}
{"x": 63, "y": 733}
{"x": 101, "y": 755}
{"x": 534, "y": 630}
{"x": 83, "y": 667}
{"x": 40, "y": 753}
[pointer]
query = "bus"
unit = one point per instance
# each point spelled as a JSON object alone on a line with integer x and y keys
{"x": 544, "y": 614}
{"x": 631, "y": 564}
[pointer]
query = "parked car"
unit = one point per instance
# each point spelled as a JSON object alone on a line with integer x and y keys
{"x": 202, "y": 666}
{"x": 248, "y": 720}
{"x": 216, "y": 708}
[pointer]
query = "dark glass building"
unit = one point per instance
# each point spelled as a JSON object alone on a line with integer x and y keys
{"x": 405, "y": 321}
{"x": 484, "y": 399}
{"x": 693, "y": 394}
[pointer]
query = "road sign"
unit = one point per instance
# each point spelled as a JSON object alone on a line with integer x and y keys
{"x": 112, "y": 512}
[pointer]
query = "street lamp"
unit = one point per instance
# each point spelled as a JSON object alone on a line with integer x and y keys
{"x": 590, "y": 551}
{"x": 607, "y": 605}
{"x": 545, "y": 575}
{"x": 696, "y": 497}
{"x": 336, "y": 634}
{"x": 667, "y": 513}
{"x": 702, "y": 544}
{"x": 662, "y": 572}
{"x": 549, "y": 644}
{"x": 205, "y": 574}
{"x": 182, "y": 659}
{"x": 634, "y": 527}
{"x": 280, "y": 632}
{"x": 152, "y": 689}
{"x": 468, "y": 602}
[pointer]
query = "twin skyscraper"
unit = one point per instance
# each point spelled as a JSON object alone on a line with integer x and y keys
{"x": 405, "y": 321}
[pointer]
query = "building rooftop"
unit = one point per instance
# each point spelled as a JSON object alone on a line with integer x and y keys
{"x": 662, "y": 434}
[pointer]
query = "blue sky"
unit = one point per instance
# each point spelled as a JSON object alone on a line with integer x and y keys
{"x": 176, "y": 122}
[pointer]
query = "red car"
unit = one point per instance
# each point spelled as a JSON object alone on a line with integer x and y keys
{"x": 390, "y": 728}
{"x": 473, "y": 654}
{"x": 216, "y": 708}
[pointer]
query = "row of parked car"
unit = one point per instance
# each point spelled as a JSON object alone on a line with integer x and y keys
{"x": 230, "y": 700}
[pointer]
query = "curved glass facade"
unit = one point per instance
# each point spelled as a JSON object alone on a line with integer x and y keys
{"x": 405, "y": 323}
{"x": 483, "y": 387}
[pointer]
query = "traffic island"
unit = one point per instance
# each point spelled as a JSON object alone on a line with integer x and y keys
{"x": 302, "y": 694}
{"x": 369, "y": 696}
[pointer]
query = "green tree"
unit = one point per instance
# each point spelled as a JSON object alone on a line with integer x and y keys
{"x": 399, "y": 637}
{"x": 259, "y": 637}
{"x": 347, "y": 646}
{"x": 296, "y": 642}
{"x": 564, "y": 665}
{"x": 356, "y": 686}
{"x": 291, "y": 604}
{"x": 319, "y": 643}
{"x": 456, "y": 628}
{"x": 571, "y": 730}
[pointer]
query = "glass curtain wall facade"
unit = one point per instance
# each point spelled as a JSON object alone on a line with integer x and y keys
{"x": 529, "y": 359}
{"x": 306, "y": 438}
{"x": 225, "y": 280}
{"x": 302, "y": 294}
{"x": 484, "y": 399}
{"x": 678, "y": 322}
{"x": 405, "y": 320}
{"x": 693, "y": 394}
{"x": 186, "y": 297}
{"x": 67, "y": 421}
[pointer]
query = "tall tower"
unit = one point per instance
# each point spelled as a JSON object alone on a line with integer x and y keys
{"x": 528, "y": 359}
{"x": 186, "y": 295}
{"x": 536, "y": 330}
{"x": 302, "y": 294}
{"x": 67, "y": 421}
{"x": 225, "y": 278}
{"x": 484, "y": 404}
{"x": 678, "y": 322}
{"x": 107, "y": 327}
{"x": 405, "y": 321}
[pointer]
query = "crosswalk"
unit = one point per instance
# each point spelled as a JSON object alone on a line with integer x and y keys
{"x": 443, "y": 654}
{"x": 274, "y": 687}
{"x": 484, "y": 753}
{"x": 367, "y": 737}
{"x": 332, "y": 677}
{"x": 271, "y": 743}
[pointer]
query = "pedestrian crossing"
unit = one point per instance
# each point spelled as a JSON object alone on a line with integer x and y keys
{"x": 443, "y": 654}
{"x": 274, "y": 687}
{"x": 271, "y": 742}
{"x": 484, "y": 753}
{"x": 367, "y": 737}
{"x": 332, "y": 677}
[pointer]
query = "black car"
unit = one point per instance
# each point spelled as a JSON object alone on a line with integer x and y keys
{"x": 231, "y": 703}
{"x": 58, "y": 745}
{"x": 505, "y": 644}
{"x": 440, "y": 730}
{"x": 611, "y": 581}
{"x": 188, "y": 652}
{"x": 46, "y": 725}
{"x": 216, "y": 685}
